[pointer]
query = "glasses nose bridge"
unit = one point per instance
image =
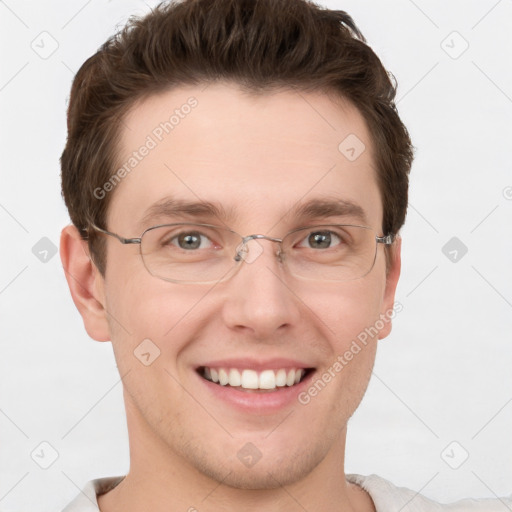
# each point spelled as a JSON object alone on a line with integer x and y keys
{"x": 246, "y": 239}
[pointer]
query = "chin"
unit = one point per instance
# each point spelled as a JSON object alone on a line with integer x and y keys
{"x": 268, "y": 468}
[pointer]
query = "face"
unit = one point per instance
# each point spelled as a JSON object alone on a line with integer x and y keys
{"x": 259, "y": 159}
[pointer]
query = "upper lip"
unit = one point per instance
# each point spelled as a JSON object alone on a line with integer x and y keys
{"x": 255, "y": 364}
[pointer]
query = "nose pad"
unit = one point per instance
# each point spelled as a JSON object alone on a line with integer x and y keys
{"x": 280, "y": 255}
{"x": 249, "y": 256}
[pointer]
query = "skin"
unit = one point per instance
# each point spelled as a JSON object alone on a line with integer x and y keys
{"x": 261, "y": 156}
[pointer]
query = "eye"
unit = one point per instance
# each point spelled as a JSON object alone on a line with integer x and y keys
{"x": 191, "y": 240}
{"x": 324, "y": 239}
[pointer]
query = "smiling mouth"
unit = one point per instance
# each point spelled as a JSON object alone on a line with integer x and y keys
{"x": 253, "y": 381}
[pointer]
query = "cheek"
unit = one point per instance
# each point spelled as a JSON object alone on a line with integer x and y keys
{"x": 346, "y": 310}
{"x": 145, "y": 308}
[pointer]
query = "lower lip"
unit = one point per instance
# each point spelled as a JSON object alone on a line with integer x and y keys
{"x": 265, "y": 402}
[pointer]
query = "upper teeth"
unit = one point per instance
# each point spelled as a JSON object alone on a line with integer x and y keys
{"x": 251, "y": 379}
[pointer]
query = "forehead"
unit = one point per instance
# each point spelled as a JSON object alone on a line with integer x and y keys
{"x": 255, "y": 157}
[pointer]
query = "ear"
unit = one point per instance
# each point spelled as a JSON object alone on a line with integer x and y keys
{"x": 391, "y": 282}
{"x": 85, "y": 282}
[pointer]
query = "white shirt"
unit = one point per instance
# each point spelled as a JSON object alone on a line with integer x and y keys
{"x": 386, "y": 497}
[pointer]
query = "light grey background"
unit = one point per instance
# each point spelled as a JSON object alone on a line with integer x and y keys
{"x": 444, "y": 373}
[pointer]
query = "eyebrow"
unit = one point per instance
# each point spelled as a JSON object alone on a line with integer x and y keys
{"x": 172, "y": 207}
{"x": 320, "y": 208}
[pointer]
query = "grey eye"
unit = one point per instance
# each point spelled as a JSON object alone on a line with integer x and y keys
{"x": 320, "y": 240}
{"x": 189, "y": 241}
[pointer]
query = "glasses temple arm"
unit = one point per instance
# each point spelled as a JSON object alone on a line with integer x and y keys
{"x": 123, "y": 240}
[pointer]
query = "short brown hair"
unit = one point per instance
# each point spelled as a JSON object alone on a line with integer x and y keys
{"x": 262, "y": 45}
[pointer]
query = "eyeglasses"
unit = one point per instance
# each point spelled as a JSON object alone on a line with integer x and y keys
{"x": 204, "y": 253}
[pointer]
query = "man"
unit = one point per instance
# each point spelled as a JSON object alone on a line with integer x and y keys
{"x": 236, "y": 174}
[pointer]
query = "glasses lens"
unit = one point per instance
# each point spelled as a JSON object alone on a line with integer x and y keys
{"x": 189, "y": 252}
{"x": 331, "y": 252}
{"x": 202, "y": 253}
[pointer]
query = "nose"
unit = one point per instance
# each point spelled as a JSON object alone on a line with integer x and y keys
{"x": 258, "y": 298}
